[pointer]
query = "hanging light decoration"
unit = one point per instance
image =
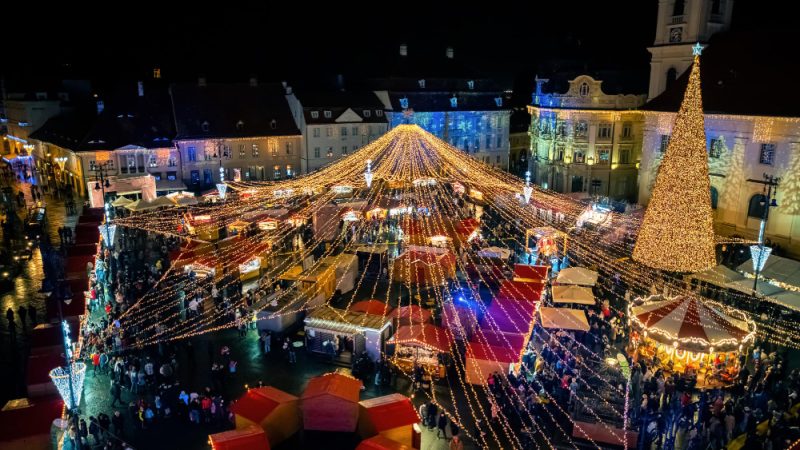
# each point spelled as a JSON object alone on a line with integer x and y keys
{"x": 368, "y": 174}
{"x": 527, "y": 190}
{"x": 222, "y": 188}
{"x": 108, "y": 231}
{"x": 61, "y": 378}
{"x": 759, "y": 255}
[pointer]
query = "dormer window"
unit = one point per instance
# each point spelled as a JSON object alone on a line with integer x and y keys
{"x": 498, "y": 101}
{"x": 315, "y": 114}
{"x": 327, "y": 114}
{"x": 367, "y": 113}
{"x": 239, "y": 125}
{"x": 454, "y": 102}
{"x": 404, "y": 102}
{"x": 273, "y": 124}
{"x": 421, "y": 83}
{"x": 379, "y": 112}
{"x": 584, "y": 89}
{"x": 205, "y": 126}
{"x": 471, "y": 84}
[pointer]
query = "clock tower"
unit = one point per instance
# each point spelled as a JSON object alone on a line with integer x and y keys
{"x": 681, "y": 24}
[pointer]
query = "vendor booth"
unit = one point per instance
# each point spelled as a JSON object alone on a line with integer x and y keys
{"x": 563, "y": 319}
{"x": 37, "y": 375}
{"x": 382, "y": 443}
{"x": 425, "y": 345}
{"x": 271, "y": 410}
{"x": 330, "y": 403}
{"x": 547, "y": 241}
{"x": 460, "y": 319}
{"x": 27, "y": 424}
{"x": 691, "y": 336}
{"x": 375, "y": 307}
{"x": 424, "y": 265}
{"x": 373, "y": 259}
{"x": 345, "y": 267}
{"x": 527, "y": 273}
{"x": 568, "y": 293}
{"x": 343, "y": 335}
{"x": 391, "y": 416}
{"x": 411, "y": 314}
{"x": 482, "y": 360}
{"x": 249, "y": 438}
{"x": 580, "y": 276}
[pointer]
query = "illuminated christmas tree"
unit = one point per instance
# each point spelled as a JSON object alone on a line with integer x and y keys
{"x": 677, "y": 233}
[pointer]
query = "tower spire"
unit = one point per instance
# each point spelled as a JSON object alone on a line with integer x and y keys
{"x": 677, "y": 232}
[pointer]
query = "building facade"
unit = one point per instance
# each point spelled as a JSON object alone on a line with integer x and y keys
{"x": 335, "y": 124}
{"x": 519, "y": 140}
{"x": 584, "y": 141}
{"x": 239, "y": 132}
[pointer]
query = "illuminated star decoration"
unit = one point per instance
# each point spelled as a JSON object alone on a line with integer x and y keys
{"x": 697, "y": 49}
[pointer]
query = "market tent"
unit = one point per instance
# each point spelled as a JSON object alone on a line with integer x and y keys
{"x": 746, "y": 285}
{"x": 330, "y": 403}
{"x": 718, "y": 275}
{"x": 140, "y": 205}
{"x": 121, "y": 201}
{"x": 161, "y": 202}
{"x": 483, "y": 360}
{"x": 412, "y": 313}
{"x": 519, "y": 290}
{"x": 37, "y": 375}
{"x": 577, "y": 275}
{"x": 514, "y": 341}
{"x": 787, "y": 299}
{"x": 382, "y": 443}
{"x": 391, "y": 416}
{"x": 271, "y": 409}
{"x": 424, "y": 265}
{"x": 570, "y": 293}
{"x": 459, "y": 319}
{"x": 375, "y": 307}
{"x": 525, "y": 272}
{"x": 423, "y": 335}
{"x": 509, "y": 315}
{"x": 564, "y": 319}
{"x": 26, "y": 424}
{"x": 776, "y": 268}
{"x": 249, "y": 438}
{"x": 688, "y": 319}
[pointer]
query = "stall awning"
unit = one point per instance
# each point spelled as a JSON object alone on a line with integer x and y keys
{"x": 413, "y": 313}
{"x": 746, "y": 285}
{"x": 423, "y": 335}
{"x": 339, "y": 320}
{"x": 718, "y": 275}
{"x": 376, "y": 307}
{"x": 577, "y": 275}
{"x": 524, "y": 272}
{"x": 518, "y": 290}
{"x": 564, "y": 319}
{"x": 390, "y": 411}
{"x": 569, "y": 293}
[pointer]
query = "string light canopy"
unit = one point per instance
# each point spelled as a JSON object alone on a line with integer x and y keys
{"x": 677, "y": 232}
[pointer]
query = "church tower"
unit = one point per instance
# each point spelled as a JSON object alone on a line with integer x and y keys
{"x": 681, "y": 24}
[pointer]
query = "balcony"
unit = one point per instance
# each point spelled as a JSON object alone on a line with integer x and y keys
{"x": 675, "y": 20}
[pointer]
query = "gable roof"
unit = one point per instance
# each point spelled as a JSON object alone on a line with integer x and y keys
{"x": 339, "y": 103}
{"x": 742, "y": 73}
{"x": 231, "y": 111}
{"x": 335, "y": 384}
{"x": 434, "y": 101}
{"x": 258, "y": 403}
{"x": 390, "y": 411}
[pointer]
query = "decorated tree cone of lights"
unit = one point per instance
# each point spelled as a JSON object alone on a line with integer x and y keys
{"x": 677, "y": 232}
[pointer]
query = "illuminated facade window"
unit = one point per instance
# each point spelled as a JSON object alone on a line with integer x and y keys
{"x": 584, "y": 89}
{"x": 715, "y": 148}
{"x": 767, "y": 154}
{"x": 604, "y": 131}
{"x": 662, "y": 147}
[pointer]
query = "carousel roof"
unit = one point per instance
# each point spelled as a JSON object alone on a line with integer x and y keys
{"x": 685, "y": 319}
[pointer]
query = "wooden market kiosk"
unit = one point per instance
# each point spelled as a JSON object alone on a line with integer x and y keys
{"x": 422, "y": 344}
{"x": 344, "y": 334}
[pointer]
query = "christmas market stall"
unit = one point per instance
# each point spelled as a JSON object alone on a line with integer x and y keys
{"x": 375, "y": 307}
{"x": 330, "y": 403}
{"x": 379, "y": 442}
{"x": 580, "y": 276}
{"x": 422, "y": 345}
{"x": 391, "y": 416}
{"x": 568, "y": 293}
{"x": 424, "y": 266}
{"x": 373, "y": 260}
{"x": 248, "y": 438}
{"x": 483, "y": 359}
{"x": 692, "y": 337}
{"x": 544, "y": 243}
{"x": 27, "y": 424}
{"x": 345, "y": 334}
{"x": 270, "y": 409}
{"x": 460, "y": 319}
{"x": 409, "y": 314}
{"x": 563, "y": 319}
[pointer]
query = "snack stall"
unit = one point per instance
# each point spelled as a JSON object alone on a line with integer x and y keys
{"x": 344, "y": 334}
{"x": 425, "y": 345}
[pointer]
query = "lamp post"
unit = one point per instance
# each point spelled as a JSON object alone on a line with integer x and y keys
{"x": 61, "y": 161}
{"x": 760, "y": 253}
{"x": 101, "y": 183}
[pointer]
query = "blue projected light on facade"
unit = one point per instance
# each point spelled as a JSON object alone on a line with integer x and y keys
{"x": 471, "y": 131}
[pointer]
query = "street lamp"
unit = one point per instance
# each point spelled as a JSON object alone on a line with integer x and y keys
{"x": 101, "y": 183}
{"x": 759, "y": 253}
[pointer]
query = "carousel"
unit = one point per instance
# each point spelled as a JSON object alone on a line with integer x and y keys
{"x": 690, "y": 337}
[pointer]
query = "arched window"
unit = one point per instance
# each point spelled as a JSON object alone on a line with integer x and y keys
{"x": 714, "y": 197}
{"x": 758, "y": 203}
{"x": 672, "y": 74}
{"x": 584, "y": 89}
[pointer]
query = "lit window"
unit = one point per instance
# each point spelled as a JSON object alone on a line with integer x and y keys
{"x": 662, "y": 148}
{"x": 241, "y": 151}
{"x": 767, "y": 154}
{"x": 715, "y": 148}
{"x": 330, "y": 152}
{"x": 367, "y": 113}
{"x": 344, "y": 150}
{"x": 581, "y": 129}
{"x": 584, "y": 89}
{"x": 315, "y": 114}
{"x": 627, "y": 130}
{"x": 604, "y": 155}
{"x": 255, "y": 150}
{"x": 152, "y": 161}
{"x": 273, "y": 147}
{"x": 289, "y": 148}
{"x": 276, "y": 172}
{"x": 604, "y": 131}
{"x": 289, "y": 171}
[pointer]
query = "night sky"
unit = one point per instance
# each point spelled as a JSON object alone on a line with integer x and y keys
{"x": 306, "y": 43}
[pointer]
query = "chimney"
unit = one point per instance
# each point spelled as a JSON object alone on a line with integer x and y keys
{"x": 253, "y": 82}
{"x": 449, "y": 53}
{"x": 140, "y": 86}
{"x": 100, "y": 106}
{"x": 403, "y": 50}
{"x": 201, "y": 81}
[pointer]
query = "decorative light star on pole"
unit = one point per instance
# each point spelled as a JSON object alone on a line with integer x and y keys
{"x": 61, "y": 378}
{"x": 697, "y": 49}
{"x": 368, "y": 174}
{"x": 222, "y": 188}
{"x": 759, "y": 256}
{"x": 527, "y": 190}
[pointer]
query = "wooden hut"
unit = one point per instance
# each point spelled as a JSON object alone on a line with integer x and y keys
{"x": 391, "y": 416}
{"x": 250, "y": 437}
{"x": 271, "y": 409}
{"x": 330, "y": 403}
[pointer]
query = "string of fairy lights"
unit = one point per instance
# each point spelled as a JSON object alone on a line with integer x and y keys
{"x": 418, "y": 171}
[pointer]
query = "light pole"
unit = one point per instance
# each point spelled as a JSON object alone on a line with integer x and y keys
{"x": 101, "y": 183}
{"x": 770, "y": 183}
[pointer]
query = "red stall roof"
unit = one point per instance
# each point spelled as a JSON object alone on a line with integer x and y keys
{"x": 492, "y": 353}
{"x": 335, "y": 384}
{"x": 375, "y": 307}
{"x": 39, "y": 367}
{"x": 529, "y": 273}
{"x": 82, "y": 250}
{"x": 380, "y": 442}
{"x": 33, "y": 420}
{"x": 425, "y": 335}
{"x": 249, "y": 438}
{"x": 514, "y": 341}
{"x": 390, "y": 411}
{"x": 520, "y": 290}
{"x": 76, "y": 307}
{"x": 87, "y": 233}
{"x": 413, "y": 312}
{"x": 258, "y": 403}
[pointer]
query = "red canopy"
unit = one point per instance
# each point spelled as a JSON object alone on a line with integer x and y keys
{"x": 87, "y": 233}
{"x": 413, "y": 313}
{"x": 82, "y": 250}
{"x": 424, "y": 335}
{"x": 530, "y": 273}
{"x": 77, "y": 264}
{"x": 380, "y": 442}
{"x": 492, "y": 353}
{"x": 509, "y": 316}
{"x": 515, "y": 341}
{"x": 520, "y": 290}
{"x": 334, "y": 384}
{"x": 256, "y": 404}
{"x": 33, "y": 420}
{"x": 390, "y": 411}
{"x": 375, "y": 307}
{"x": 249, "y": 438}
{"x": 77, "y": 307}
{"x": 39, "y": 367}
{"x": 466, "y": 227}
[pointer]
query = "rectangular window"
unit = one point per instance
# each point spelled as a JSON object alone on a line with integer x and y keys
{"x": 604, "y": 131}
{"x": 255, "y": 150}
{"x": 156, "y": 175}
{"x": 329, "y": 131}
{"x": 379, "y": 112}
{"x": 330, "y": 152}
{"x": 152, "y": 161}
{"x": 276, "y": 172}
{"x": 343, "y": 131}
{"x": 315, "y": 114}
{"x": 172, "y": 161}
{"x": 767, "y": 154}
{"x": 498, "y": 159}
{"x": 226, "y": 151}
{"x": 172, "y": 176}
{"x": 581, "y": 129}
{"x": 627, "y": 130}
{"x": 579, "y": 154}
{"x": 207, "y": 177}
{"x": 499, "y": 141}
{"x": 273, "y": 148}
{"x": 131, "y": 163}
{"x": 367, "y": 113}
{"x": 191, "y": 154}
{"x": 354, "y": 131}
{"x": 355, "y": 147}
{"x": 624, "y": 155}
{"x": 241, "y": 151}
{"x": 289, "y": 148}
{"x": 289, "y": 171}
{"x": 369, "y": 128}
{"x": 603, "y": 154}
{"x": 662, "y": 147}
{"x": 715, "y": 148}
{"x": 195, "y": 177}
{"x": 344, "y": 150}
{"x": 316, "y": 152}
{"x": 327, "y": 114}
{"x": 316, "y": 131}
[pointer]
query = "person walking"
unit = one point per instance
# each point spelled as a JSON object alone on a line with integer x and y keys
{"x": 118, "y": 421}
{"x": 442, "y": 426}
{"x": 23, "y": 315}
{"x": 116, "y": 394}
